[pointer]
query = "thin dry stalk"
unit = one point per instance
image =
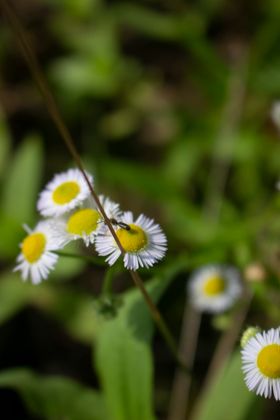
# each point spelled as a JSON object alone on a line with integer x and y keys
{"x": 55, "y": 114}
{"x": 226, "y": 137}
{"x": 224, "y": 349}
{"x": 187, "y": 348}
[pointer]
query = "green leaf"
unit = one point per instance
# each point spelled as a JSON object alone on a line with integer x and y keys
{"x": 11, "y": 235}
{"x": 55, "y": 397}
{"x": 20, "y": 190}
{"x": 22, "y": 182}
{"x": 123, "y": 356}
{"x": 228, "y": 398}
{"x": 125, "y": 367}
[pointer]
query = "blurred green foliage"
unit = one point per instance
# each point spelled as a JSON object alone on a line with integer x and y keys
{"x": 227, "y": 384}
{"x": 170, "y": 106}
{"x": 55, "y": 397}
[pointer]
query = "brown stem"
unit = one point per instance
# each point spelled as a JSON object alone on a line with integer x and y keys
{"x": 156, "y": 315}
{"x": 224, "y": 349}
{"x": 53, "y": 109}
{"x": 187, "y": 348}
{"x": 226, "y": 135}
{"x": 228, "y": 340}
{"x": 55, "y": 114}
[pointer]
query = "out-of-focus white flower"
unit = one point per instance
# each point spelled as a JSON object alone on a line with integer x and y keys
{"x": 214, "y": 288}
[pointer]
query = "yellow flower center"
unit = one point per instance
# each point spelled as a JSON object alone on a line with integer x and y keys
{"x": 132, "y": 240}
{"x": 33, "y": 246}
{"x": 214, "y": 286}
{"x": 65, "y": 192}
{"x": 268, "y": 361}
{"x": 83, "y": 221}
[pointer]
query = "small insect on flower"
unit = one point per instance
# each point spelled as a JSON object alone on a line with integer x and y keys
{"x": 214, "y": 288}
{"x": 119, "y": 223}
{"x": 85, "y": 222}
{"x": 112, "y": 210}
{"x": 64, "y": 193}
{"x": 261, "y": 363}
{"x": 36, "y": 259}
{"x": 143, "y": 242}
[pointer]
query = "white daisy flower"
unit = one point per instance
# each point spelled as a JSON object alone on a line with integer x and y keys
{"x": 65, "y": 192}
{"x": 36, "y": 259}
{"x": 84, "y": 222}
{"x": 214, "y": 288}
{"x": 143, "y": 241}
{"x": 112, "y": 209}
{"x": 261, "y": 363}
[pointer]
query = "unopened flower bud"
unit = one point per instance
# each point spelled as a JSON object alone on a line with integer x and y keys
{"x": 247, "y": 334}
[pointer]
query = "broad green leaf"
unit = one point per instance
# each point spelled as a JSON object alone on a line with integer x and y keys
{"x": 123, "y": 355}
{"x": 11, "y": 235}
{"x": 228, "y": 398}
{"x": 55, "y": 397}
{"x": 22, "y": 181}
{"x": 125, "y": 367}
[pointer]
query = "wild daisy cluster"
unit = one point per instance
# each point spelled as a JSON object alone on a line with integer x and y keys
{"x": 214, "y": 288}
{"x": 261, "y": 361}
{"x": 70, "y": 214}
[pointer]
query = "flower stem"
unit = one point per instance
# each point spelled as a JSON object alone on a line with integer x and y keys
{"x": 91, "y": 259}
{"x": 187, "y": 348}
{"x": 108, "y": 280}
{"x": 156, "y": 315}
{"x": 226, "y": 137}
{"x": 223, "y": 350}
{"x": 55, "y": 114}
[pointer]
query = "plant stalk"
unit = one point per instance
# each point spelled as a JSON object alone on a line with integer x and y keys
{"x": 187, "y": 348}
{"x": 55, "y": 114}
{"x": 226, "y": 137}
{"x": 224, "y": 349}
{"x": 91, "y": 259}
